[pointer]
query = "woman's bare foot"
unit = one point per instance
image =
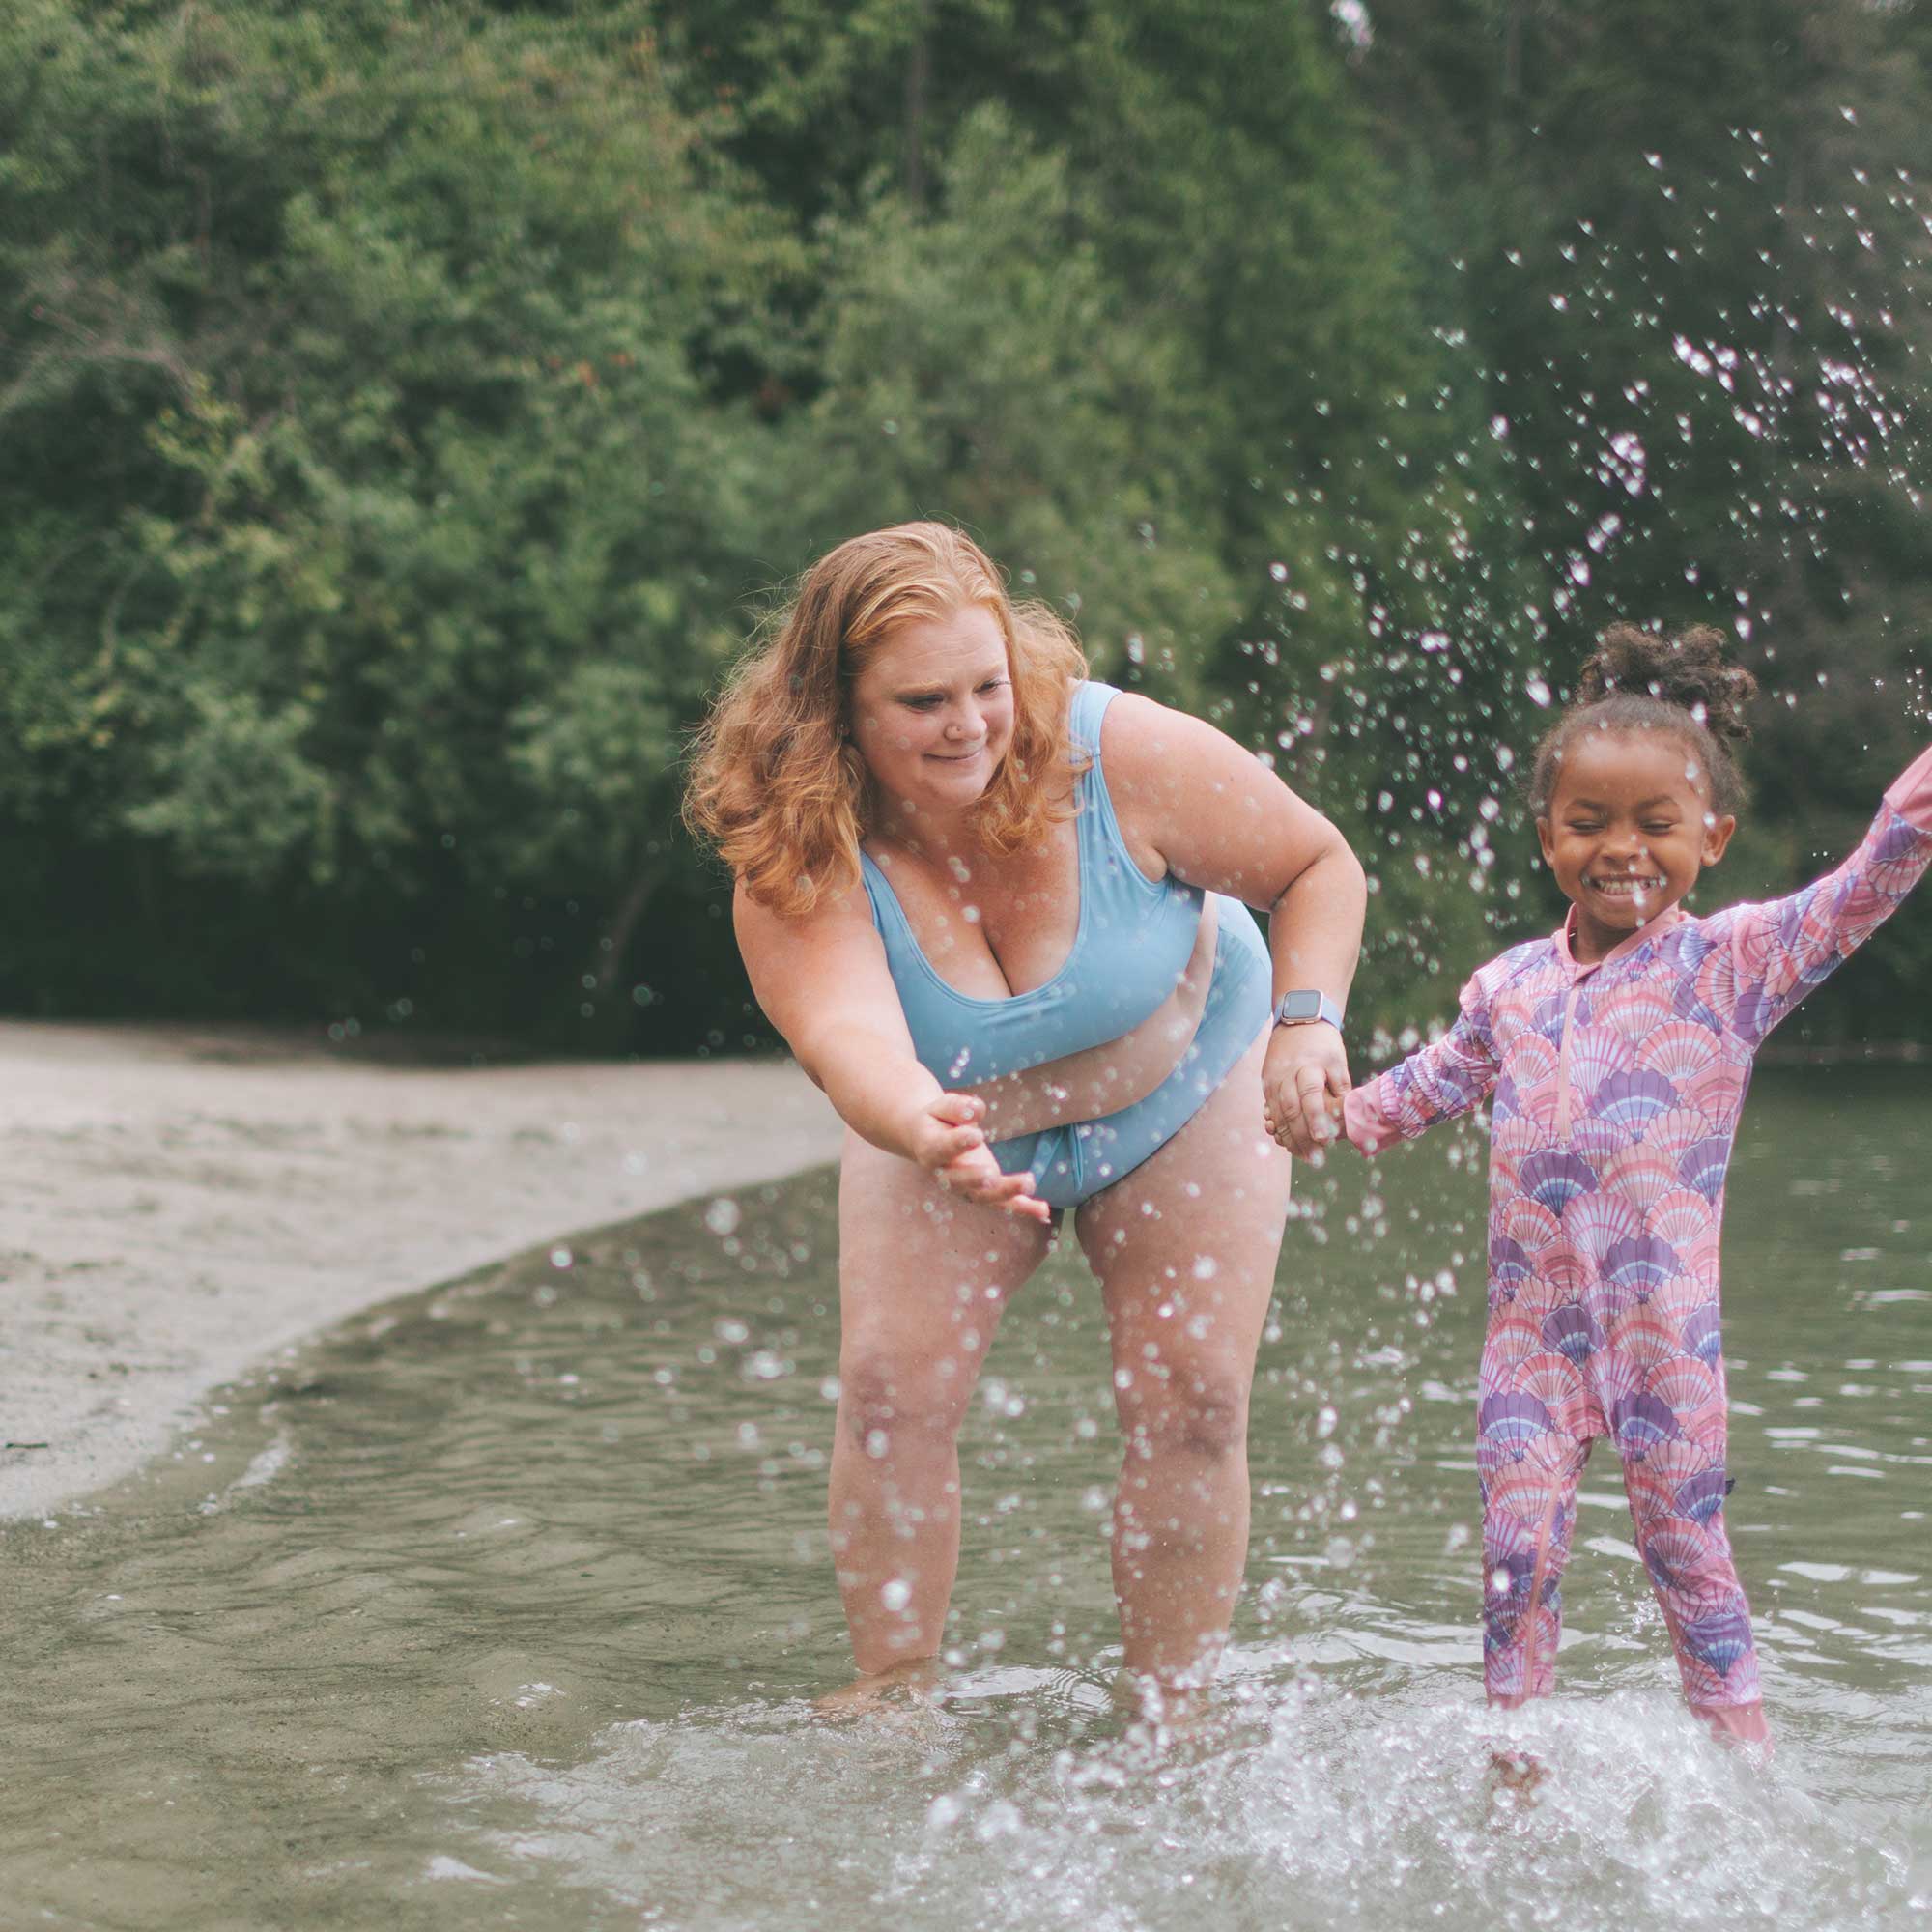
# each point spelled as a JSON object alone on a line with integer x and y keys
{"x": 1157, "y": 1703}
{"x": 916, "y": 1684}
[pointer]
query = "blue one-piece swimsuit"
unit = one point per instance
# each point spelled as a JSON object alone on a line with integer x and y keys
{"x": 1134, "y": 940}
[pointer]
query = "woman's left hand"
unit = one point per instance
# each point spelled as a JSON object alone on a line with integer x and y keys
{"x": 1304, "y": 1082}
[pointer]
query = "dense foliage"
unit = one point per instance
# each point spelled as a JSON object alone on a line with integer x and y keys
{"x": 405, "y": 412}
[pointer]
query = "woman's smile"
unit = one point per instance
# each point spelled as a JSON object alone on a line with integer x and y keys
{"x": 938, "y": 693}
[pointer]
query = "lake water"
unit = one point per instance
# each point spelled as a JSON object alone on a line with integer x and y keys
{"x": 508, "y": 1606}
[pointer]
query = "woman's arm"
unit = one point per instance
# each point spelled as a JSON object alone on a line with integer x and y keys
{"x": 1193, "y": 803}
{"x": 1102, "y": 1080}
{"x": 823, "y": 981}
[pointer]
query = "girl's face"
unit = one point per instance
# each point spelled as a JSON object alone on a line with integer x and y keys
{"x": 932, "y": 714}
{"x": 1630, "y": 827}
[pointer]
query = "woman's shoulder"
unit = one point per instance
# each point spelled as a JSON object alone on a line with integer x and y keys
{"x": 837, "y": 908}
{"x": 1131, "y": 720}
{"x": 1088, "y": 701}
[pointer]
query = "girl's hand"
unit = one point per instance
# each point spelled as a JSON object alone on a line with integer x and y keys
{"x": 1304, "y": 1082}
{"x": 950, "y": 1145}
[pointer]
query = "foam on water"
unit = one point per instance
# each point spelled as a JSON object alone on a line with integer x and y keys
{"x": 1034, "y": 1801}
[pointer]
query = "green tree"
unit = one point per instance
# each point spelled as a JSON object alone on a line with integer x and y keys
{"x": 368, "y": 528}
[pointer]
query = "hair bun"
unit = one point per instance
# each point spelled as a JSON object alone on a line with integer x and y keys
{"x": 1689, "y": 669}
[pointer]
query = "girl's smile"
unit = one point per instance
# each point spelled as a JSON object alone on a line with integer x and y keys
{"x": 1630, "y": 828}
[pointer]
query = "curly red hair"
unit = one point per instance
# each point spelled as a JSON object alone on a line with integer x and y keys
{"x": 776, "y": 784}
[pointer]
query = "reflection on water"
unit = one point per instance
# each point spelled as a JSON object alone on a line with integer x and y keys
{"x": 507, "y": 1608}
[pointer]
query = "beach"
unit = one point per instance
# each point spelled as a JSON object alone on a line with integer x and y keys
{"x": 180, "y": 1204}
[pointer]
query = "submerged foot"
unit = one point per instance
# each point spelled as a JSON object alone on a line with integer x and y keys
{"x": 1740, "y": 1726}
{"x": 1184, "y": 1723}
{"x": 1517, "y": 1776}
{"x": 917, "y": 1685}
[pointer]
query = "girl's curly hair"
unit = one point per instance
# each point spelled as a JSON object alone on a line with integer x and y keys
{"x": 1637, "y": 680}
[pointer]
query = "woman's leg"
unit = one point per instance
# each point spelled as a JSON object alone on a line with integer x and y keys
{"x": 1185, "y": 1249}
{"x": 922, "y": 1278}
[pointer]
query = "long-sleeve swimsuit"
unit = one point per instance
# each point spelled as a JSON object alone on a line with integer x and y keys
{"x": 1615, "y": 1089}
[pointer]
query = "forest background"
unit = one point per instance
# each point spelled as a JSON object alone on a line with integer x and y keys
{"x": 407, "y": 411}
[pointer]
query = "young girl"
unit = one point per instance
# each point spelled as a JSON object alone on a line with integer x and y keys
{"x": 1617, "y": 1052}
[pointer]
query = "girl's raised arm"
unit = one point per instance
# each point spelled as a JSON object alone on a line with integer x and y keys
{"x": 1777, "y": 952}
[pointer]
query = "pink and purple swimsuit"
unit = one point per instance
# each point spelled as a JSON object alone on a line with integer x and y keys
{"x": 1617, "y": 1089}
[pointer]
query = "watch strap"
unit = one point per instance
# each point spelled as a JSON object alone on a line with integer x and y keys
{"x": 1304, "y": 1005}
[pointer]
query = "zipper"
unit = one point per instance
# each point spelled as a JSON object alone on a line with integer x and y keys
{"x": 1563, "y": 1061}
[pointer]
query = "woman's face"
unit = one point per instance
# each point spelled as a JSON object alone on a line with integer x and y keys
{"x": 932, "y": 714}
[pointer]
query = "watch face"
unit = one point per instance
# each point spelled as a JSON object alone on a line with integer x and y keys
{"x": 1300, "y": 1006}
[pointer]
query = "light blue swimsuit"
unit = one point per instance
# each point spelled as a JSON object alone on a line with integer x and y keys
{"x": 1134, "y": 940}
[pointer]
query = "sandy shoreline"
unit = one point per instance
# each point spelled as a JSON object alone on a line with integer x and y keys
{"x": 178, "y": 1204}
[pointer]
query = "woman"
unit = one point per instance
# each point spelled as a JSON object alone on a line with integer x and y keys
{"x": 993, "y": 910}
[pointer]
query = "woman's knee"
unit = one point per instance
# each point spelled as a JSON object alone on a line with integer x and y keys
{"x": 1191, "y": 1409}
{"x": 885, "y": 1395}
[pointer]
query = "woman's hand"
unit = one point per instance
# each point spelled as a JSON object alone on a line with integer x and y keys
{"x": 949, "y": 1144}
{"x": 1304, "y": 1082}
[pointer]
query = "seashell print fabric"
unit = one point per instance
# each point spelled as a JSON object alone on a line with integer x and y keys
{"x": 1616, "y": 1089}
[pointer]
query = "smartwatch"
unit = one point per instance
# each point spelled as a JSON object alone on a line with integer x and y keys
{"x": 1295, "y": 1009}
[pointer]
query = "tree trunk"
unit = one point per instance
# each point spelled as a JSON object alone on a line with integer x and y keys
{"x": 917, "y": 79}
{"x": 614, "y": 941}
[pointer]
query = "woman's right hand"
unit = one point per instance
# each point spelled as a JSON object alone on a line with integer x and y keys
{"x": 949, "y": 1142}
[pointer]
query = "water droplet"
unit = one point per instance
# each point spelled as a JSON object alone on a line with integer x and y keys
{"x": 1000, "y": 1819}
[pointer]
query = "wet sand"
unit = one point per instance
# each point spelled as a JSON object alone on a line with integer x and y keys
{"x": 177, "y": 1204}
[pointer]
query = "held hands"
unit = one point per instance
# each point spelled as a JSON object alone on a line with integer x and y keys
{"x": 949, "y": 1144}
{"x": 1304, "y": 1082}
